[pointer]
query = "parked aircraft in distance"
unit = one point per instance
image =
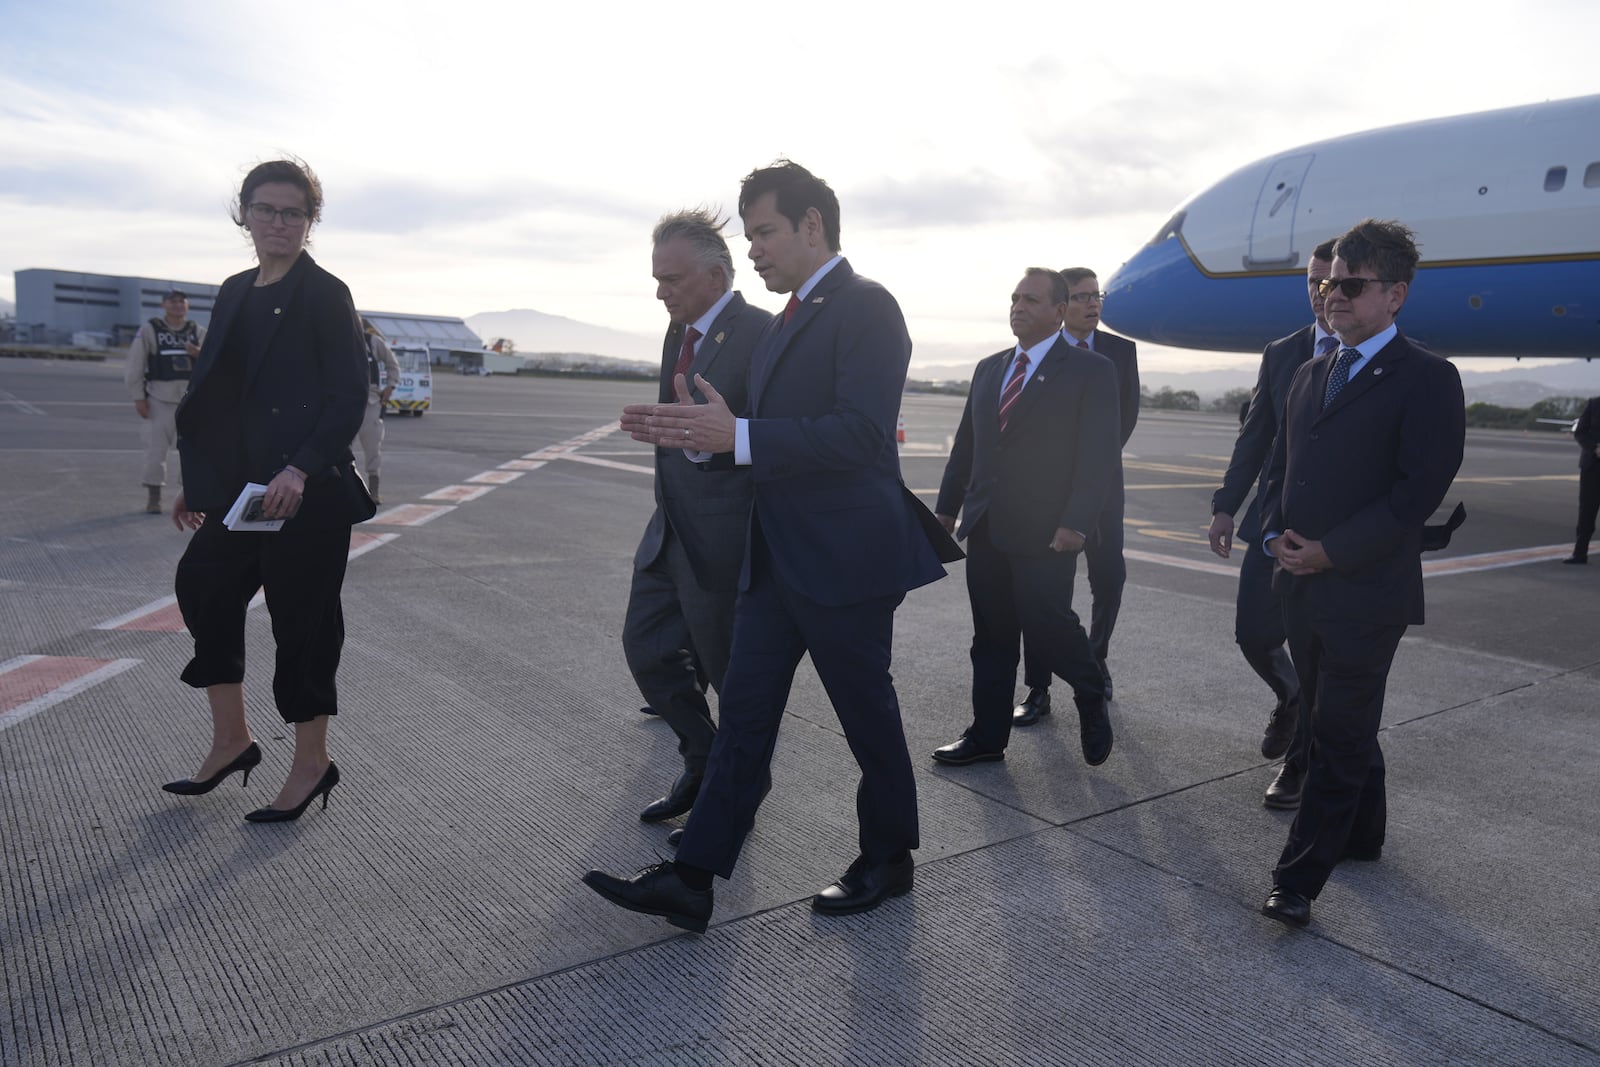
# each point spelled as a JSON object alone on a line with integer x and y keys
{"x": 1505, "y": 205}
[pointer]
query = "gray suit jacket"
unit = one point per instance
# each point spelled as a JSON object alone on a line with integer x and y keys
{"x": 707, "y": 510}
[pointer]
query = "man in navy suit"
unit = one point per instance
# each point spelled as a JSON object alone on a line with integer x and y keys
{"x": 835, "y": 541}
{"x": 1102, "y": 553}
{"x": 679, "y": 623}
{"x": 1586, "y": 431}
{"x": 1034, "y": 456}
{"x": 1258, "y": 616}
{"x": 1371, "y": 438}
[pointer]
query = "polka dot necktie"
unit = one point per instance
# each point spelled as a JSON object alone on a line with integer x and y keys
{"x": 1340, "y": 376}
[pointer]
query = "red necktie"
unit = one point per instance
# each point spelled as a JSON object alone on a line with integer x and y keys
{"x": 788, "y": 309}
{"x": 686, "y": 357}
{"x": 1013, "y": 389}
{"x": 1083, "y": 344}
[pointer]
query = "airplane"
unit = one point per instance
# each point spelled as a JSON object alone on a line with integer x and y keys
{"x": 1505, "y": 205}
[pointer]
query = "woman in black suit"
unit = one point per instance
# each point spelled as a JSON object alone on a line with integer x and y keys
{"x": 276, "y": 398}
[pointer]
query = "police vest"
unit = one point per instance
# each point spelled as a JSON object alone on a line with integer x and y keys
{"x": 170, "y": 361}
{"x": 373, "y": 368}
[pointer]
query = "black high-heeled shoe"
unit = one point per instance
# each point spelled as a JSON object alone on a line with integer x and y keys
{"x": 329, "y": 779}
{"x": 245, "y": 761}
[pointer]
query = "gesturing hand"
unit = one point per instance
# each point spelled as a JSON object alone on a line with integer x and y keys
{"x": 707, "y": 427}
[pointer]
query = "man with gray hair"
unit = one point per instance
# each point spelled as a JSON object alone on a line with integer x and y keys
{"x": 679, "y": 624}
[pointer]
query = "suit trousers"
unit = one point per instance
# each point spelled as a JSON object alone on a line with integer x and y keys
{"x": 370, "y": 435}
{"x": 1107, "y": 571}
{"x": 1021, "y": 597}
{"x": 160, "y": 437}
{"x": 301, "y": 570}
{"x": 676, "y": 637}
{"x": 1344, "y": 666}
{"x": 1258, "y": 625}
{"x": 1588, "y": 507}
{"x": 774, "y": 626}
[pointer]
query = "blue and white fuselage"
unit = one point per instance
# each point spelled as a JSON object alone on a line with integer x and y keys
{"x": 1505, "y": 205}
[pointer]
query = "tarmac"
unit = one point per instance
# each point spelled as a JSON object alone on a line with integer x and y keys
{"x": 492, "y": 751}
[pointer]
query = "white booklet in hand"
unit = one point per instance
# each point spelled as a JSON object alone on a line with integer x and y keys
{"x": 246, "y": 513}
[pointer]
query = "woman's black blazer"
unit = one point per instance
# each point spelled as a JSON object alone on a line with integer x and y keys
{"x": 304, "y": 393}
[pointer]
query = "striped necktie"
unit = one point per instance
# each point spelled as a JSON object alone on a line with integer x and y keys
{"x": 1340, "y": 376}
{"x": 686, "y": 357}
{"x": 1013, "y": 389}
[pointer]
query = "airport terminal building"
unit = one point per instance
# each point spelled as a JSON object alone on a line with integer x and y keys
{"x": 60, "y": 307}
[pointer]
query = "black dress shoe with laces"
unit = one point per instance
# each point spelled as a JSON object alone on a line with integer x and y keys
{"x": 677, "y": 801}
{"x": 1033, "y": 707}
{"x": 866, "y": 885}
{"x": 656, "y": 890}
{"x": 1094, "y": 729}
{"x": 1280, "y": 730}
{"x": 966, "y": 751}
{"x": 1284, "y": 792}
{"x": 1287, "y": 907}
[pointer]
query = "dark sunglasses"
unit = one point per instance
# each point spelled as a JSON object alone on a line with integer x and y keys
{"x": 1350, "y": 287}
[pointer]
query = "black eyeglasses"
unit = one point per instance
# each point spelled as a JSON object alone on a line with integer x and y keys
{"x": 1350, "y": 287}
{"x": 1087, "y": 298}
{"x": 291, "y": 216}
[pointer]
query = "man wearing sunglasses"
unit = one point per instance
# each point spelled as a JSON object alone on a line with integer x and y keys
{"x": 1372, "y": 436}
{"x": 1258, "y": 616}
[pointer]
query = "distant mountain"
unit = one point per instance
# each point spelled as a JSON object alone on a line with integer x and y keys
{"x": 536, "y": 332}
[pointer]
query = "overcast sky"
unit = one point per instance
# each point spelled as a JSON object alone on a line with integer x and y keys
{"x": 479, "y": 160}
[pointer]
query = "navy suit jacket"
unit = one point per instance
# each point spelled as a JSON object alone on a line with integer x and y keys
{"x": 1363, "y": 475}
{"x": 708, "y": 511}
{"x": 305, "y": 391}
{"x": 1052, "y": 465}
{"x": 1248, "y": 466}
{"x": 1587, "y": 433}
{"x": 825, "y": 392}
{"x": 1124, "y": 357}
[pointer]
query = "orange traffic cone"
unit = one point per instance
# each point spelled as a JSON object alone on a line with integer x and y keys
{"x": 900, "y": 431}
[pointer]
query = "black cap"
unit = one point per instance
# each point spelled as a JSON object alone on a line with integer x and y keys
{"x": 175, "y": 292}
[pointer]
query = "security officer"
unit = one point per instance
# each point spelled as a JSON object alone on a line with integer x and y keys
{"x": 159, "y": 362}
{"x": 383, "y": 372}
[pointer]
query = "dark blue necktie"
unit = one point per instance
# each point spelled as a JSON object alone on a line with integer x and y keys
{"x": 1326, "y": 343}
{"x": 1340, "y": 376}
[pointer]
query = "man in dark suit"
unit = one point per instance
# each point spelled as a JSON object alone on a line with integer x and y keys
{"x": 1102, "y": 554}
{"x": 1371, "y": 439}
{"x": 1587, "y": 433}
{"x": 1258, "y": 616}
{"x": 835, "y": 541}
{"x": 686, "y": 572}
{"x": 1032, "y": 461}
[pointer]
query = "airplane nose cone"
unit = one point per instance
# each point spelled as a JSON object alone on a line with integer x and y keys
{"x": 1144, "y": 296}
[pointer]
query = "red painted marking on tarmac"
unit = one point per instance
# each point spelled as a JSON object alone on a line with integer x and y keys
{"x": 521, "y": 465}
{"x": 167, "y": 619}
{"x": 409, "y": 515}
{"x": 29, "y": 684}
{"x": 495, "y": 477}
{"x": 458, "y": 494}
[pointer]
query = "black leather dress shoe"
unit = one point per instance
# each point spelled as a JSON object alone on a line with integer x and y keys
{"x": 1291, "y": 909}
{"x": 679, "y": 800}
{"x": 1284, "y": 792}
{"x": 1105, "y": 676}
{"x": 1580, "y": 560}
{"x": 674, "y": 838}
{"x": 866, "y": 885}
{"x": 656, "y": 890}
{"x": 1280, "y": 730}
{"x": 648, "y": 710}
{"x": 965, "y": 751}
{"x": 1094, "y": 729}
{"x": 1033, "y": 708}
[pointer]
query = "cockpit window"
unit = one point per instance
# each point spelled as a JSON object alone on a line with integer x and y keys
{"x": 1173, "y": 227}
